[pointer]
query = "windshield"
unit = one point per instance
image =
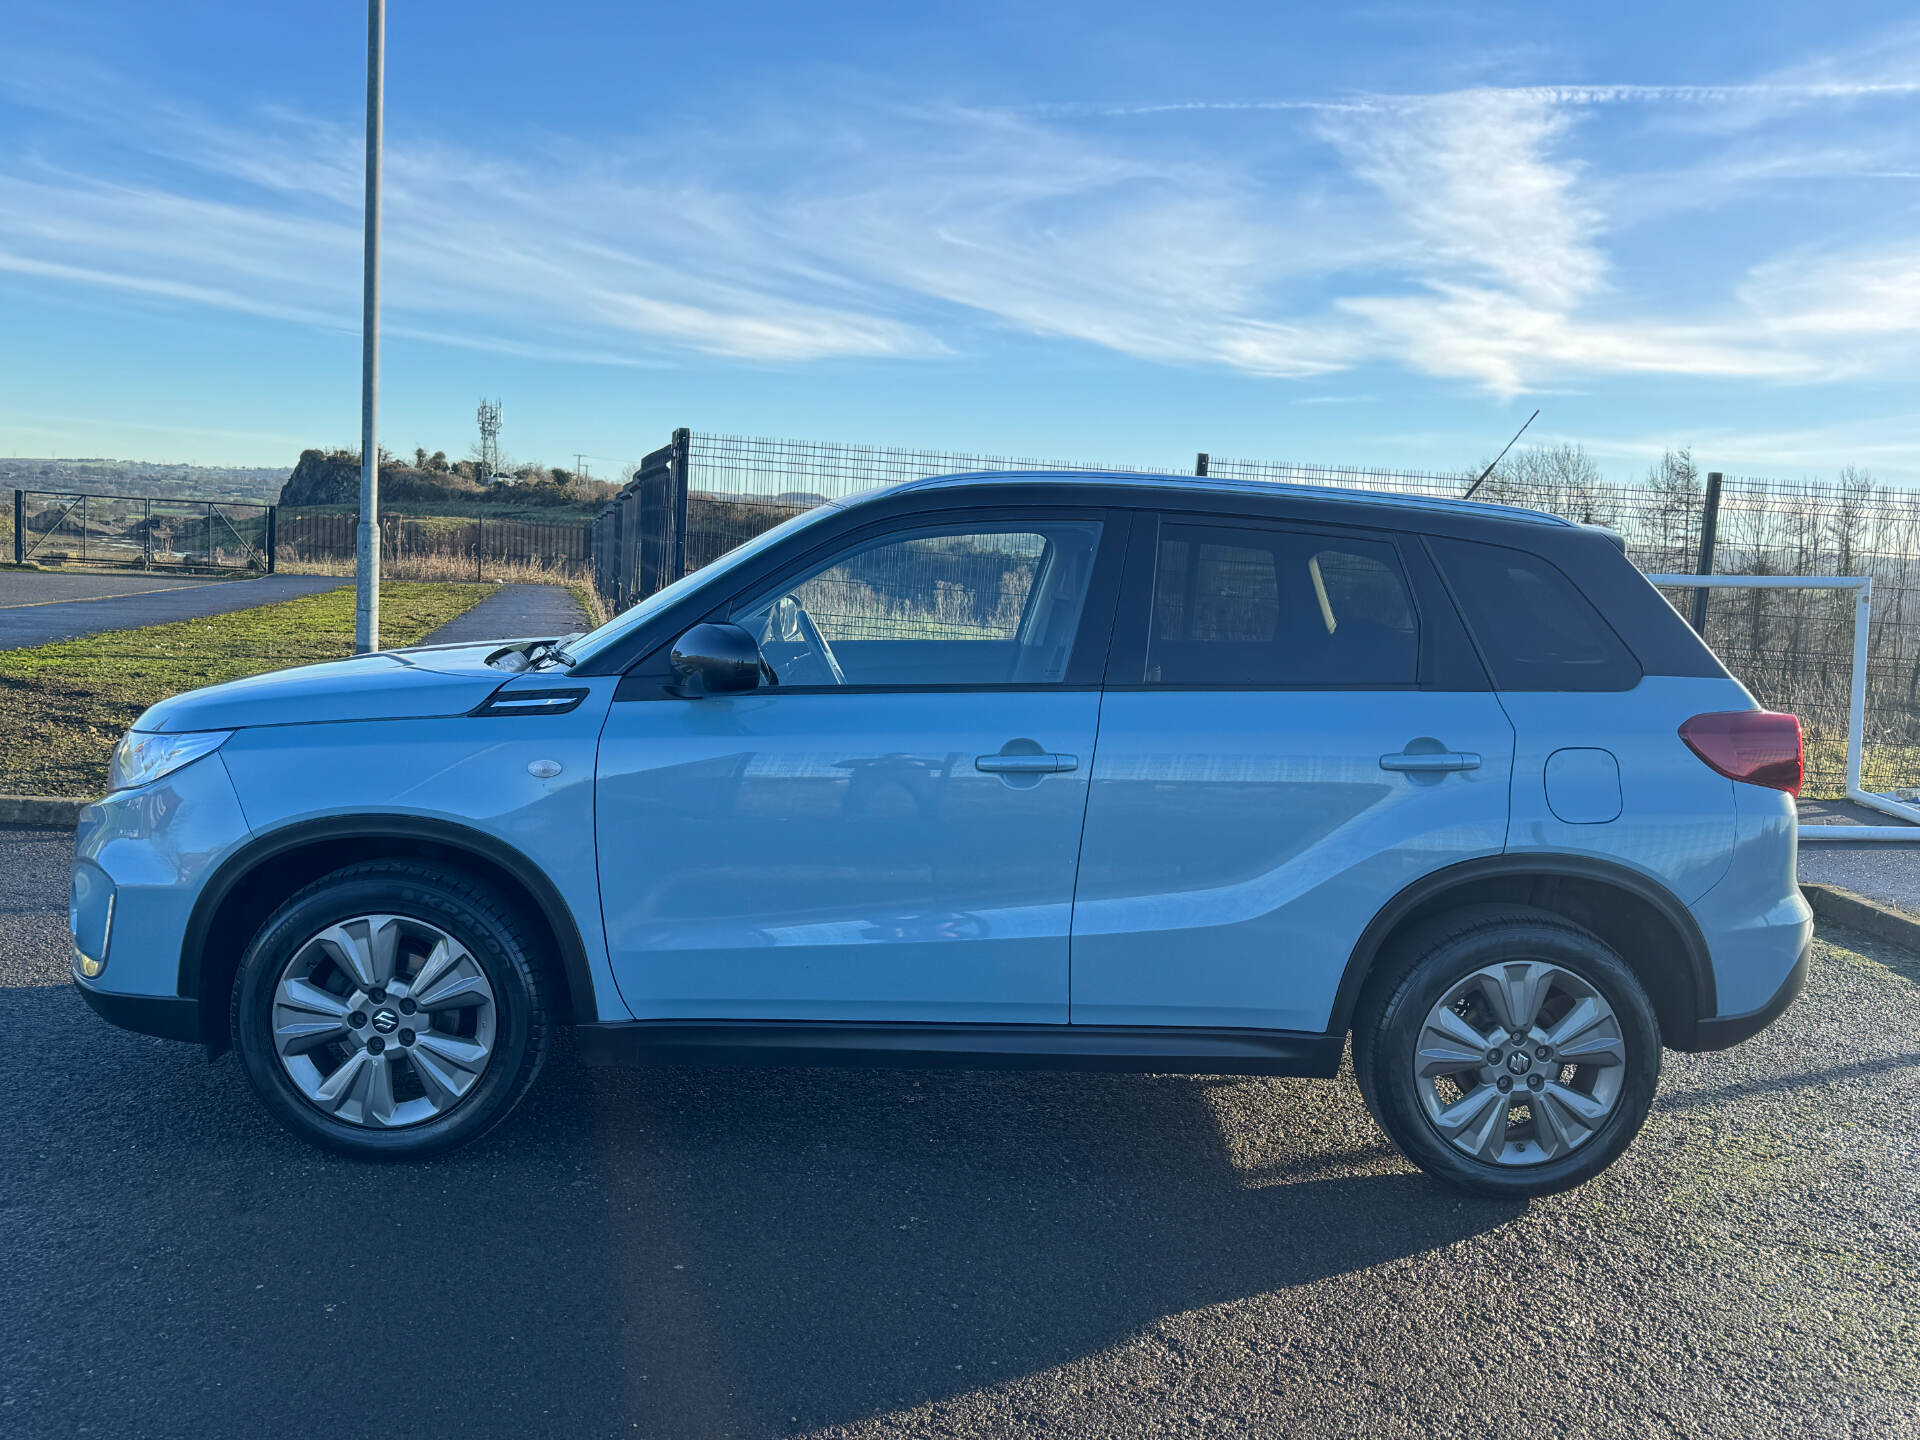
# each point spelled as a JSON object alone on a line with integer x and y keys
{"x": 595, "y": 641}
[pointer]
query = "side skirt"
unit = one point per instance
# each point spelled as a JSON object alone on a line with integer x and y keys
{"x": 1149, "y": 1049}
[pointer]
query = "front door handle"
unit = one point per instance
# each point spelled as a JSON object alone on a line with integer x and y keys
{"x": 1431, "y": 763}
{"x": 1043, "y": 764}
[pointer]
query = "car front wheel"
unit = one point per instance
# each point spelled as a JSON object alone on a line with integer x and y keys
{"x": 1507, "y": 1051}
{"x": 391, "y": 1009}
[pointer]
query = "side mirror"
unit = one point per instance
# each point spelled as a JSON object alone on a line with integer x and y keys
{"x": 714, "y": 660}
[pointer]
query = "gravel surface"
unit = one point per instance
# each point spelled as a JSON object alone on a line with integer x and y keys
{"x": 688, "y": 1252}
{"x": 1884, "y": 872}
{"x": 517, "y": 612}
{"x": 25, "y": 621}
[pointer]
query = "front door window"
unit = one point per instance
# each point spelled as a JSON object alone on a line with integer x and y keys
{"x": 932, "y": 609}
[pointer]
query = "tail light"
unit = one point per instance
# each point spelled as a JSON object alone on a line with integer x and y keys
{"x": 1759, "y": 747}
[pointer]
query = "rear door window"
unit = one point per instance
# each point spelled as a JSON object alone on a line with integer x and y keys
{"x": 1534, "y": 627}
{"x": 1255, "y": 608}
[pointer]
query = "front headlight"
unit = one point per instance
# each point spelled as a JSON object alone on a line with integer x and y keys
{"x": 142, "y": 757}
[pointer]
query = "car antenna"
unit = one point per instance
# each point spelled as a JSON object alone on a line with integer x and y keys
{"x": 1501, "y": 456}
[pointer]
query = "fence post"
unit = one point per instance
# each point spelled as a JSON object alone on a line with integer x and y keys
{"x": 83, "y": 529}
{"x": 1200, "y": 465}
{"x": 146, "y": 534}
{"x": 619, "y": 566}
{"x": 679, "y": 472}
{"x": 1857, "y": 698}
{"x": 1709, "y": 528}
{"x": 273, "y": 536}
{"x": 479, "y": 539}
{"x": 19, "y": 527}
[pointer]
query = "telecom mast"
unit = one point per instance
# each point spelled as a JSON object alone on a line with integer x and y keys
{"x": 489, "y": 417}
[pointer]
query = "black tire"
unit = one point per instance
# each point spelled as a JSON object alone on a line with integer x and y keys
{"x": 1418, "y": 974}
{"x": 497, "y": 938}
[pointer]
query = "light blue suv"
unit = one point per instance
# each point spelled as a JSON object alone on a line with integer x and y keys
{"x": 1106, "y": 771}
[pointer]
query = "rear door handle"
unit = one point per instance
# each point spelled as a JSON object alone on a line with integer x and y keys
{"x": 1431, "y": 763}
{"x": 1026, "y": 764}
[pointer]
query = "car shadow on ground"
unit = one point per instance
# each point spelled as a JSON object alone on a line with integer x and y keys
{"x": 690, "y": 1250}
{"x": 861, "y": 1242}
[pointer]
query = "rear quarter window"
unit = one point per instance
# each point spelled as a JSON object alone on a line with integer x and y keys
{"x": 1535, "y": 629}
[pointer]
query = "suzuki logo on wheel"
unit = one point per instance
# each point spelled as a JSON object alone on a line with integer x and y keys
{"x": 1517, "y": 1062}
{"x": 385, "y": 1021}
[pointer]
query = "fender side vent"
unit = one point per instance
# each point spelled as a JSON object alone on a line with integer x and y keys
{"x": 531, "y": 702}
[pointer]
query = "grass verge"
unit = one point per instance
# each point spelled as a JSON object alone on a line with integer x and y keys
{"x": 63, "y": 706}
{"x": 589, "y": 599}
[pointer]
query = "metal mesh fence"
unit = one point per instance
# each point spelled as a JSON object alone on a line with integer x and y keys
{"x": 439, "y": 547}
{"x": 136, "y": 531}
{"x": 1792, "y": 648}
{"x": 739, "y": 485}
{"x": 639, "y": 540}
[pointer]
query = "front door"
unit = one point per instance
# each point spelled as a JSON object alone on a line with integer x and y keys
{"x": 890, "y": 831}
{"x": 1295, "y": 731}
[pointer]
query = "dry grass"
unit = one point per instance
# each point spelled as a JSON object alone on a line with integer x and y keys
{"x": 444, "y": 567}
{"x": 589, "y": 599}
{"x": 447, "y": 568}
{"x": 1884, "y": 766}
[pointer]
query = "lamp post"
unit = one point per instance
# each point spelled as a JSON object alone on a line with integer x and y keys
{"x": 366, "y": 605}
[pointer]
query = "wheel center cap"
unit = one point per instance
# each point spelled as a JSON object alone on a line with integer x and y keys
{"x": 388, "y": 1021}
{"x": 1518, "y": 1063}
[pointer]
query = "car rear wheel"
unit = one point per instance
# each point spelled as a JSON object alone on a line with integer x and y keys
{"x": 1507, "y": 1051}
{"x": 391, "y": 1008}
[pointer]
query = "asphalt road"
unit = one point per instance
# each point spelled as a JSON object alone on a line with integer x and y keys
{"x": 36, "y": 609}
{"x": 516, "y": 612}
{"x": 1880, "y": 871}
{"x": 54, "y": 587}
{"x": 693, "y": 1253}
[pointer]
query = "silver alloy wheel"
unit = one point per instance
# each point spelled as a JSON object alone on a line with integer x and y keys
{"x": 1520, "y": 1063}
{"x": 383, "y": 1021}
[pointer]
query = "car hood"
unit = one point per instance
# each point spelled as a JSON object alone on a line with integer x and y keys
{"x": 389, "y": 685}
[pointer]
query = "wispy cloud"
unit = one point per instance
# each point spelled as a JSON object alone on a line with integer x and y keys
{"x": 1489, "y": 235}
{"x": 1473, "y": 181}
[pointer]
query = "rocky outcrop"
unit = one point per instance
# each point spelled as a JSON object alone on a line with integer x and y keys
{"x": 324, "y": 478}
{"x": 332, "y": 477}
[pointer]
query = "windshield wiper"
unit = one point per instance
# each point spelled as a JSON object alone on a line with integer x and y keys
{"x": 545, "y": 650}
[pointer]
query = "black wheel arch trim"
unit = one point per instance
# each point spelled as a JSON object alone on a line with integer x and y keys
{"x": 1528, "y": 865}
{"x": 265, "y": 846}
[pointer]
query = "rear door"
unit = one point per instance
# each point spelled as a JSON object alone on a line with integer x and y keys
{"x": 1295, "y": 727}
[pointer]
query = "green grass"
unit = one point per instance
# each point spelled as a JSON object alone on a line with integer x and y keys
{"x": 63, "y": 706}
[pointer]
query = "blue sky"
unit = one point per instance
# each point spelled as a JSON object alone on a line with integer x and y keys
{"x": 1083, "y": 231}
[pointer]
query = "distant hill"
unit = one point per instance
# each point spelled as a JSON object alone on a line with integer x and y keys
{"x": 323, "y": 478}
{"x": 144, "y": 477}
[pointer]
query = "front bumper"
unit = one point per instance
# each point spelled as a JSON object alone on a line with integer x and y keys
{"x": 141, "y": 859}
{"x": 1724, "y": 1031}
{"x": 171, "y": 1017}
